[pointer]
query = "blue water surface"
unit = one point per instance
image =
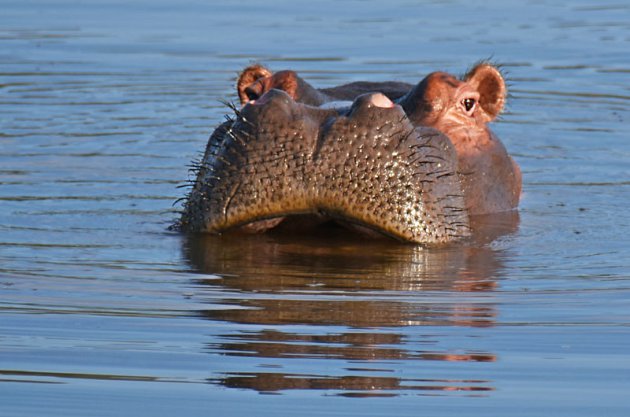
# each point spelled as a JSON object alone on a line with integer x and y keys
{"x": 104, "y": 312}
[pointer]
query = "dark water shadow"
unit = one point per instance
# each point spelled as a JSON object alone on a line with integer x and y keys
{"x": 360, "y": 293}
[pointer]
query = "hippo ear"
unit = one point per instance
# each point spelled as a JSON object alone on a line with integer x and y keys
{"x": 286, "y": 81}
{"x": 247, "y": 77}
{"x": 488, "y": 81}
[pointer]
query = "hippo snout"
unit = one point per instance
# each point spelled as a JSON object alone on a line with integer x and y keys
{"x": 367, "y": 165}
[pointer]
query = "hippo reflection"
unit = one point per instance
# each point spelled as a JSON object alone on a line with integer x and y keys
{"x": 355, "y": 386}
{"x": 278, "y": 291}
{"x": 414, "y": 170}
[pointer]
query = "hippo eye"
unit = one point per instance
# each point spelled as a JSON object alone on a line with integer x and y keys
{"x": 469, "y": 104}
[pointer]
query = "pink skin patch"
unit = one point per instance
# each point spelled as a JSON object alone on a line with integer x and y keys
{"x": 380, "y": 100}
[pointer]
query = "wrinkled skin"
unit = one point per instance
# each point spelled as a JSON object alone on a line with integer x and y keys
{"x": 461, "y": 109}
{"x": 367, "y": 165}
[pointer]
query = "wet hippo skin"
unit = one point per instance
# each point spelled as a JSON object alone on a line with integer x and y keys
{"x": 460, "y": 108}
{"x": 367, "y": 165}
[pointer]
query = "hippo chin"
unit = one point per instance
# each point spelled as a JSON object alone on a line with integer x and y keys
{"x": 366, "y": 165}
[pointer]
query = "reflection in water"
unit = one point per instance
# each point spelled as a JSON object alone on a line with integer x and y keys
{"x": 351, "y": 346}
{"x": 385, "y": 288}
{"x": 354, "y": 386}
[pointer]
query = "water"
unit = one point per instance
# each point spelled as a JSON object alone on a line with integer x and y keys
{"x": 104, "y": 312}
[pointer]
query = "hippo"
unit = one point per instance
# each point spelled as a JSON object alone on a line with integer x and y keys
{"x": 459, "y": 108}
{"x": 367, "y": 166}
{"x": 409, "y": 162}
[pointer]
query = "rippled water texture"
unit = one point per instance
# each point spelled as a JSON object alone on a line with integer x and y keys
{"x": 105, "y": 312}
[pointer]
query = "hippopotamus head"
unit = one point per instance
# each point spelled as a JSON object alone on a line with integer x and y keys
{"x": 367, "y": 165}
{"x": 460, "y": 108}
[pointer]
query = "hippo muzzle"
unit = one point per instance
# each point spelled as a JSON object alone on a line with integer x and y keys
{"x": 365, "y": 165}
